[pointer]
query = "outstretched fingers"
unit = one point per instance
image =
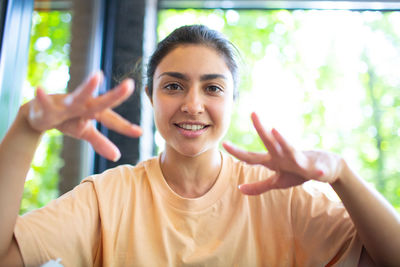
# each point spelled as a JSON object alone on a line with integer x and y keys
{"x": 111, "y": 99}
{"x": 101, "y": 144}
{"x": 246, "y": 156}
{"x": 286, "y": 148}
{"x": 125, "y": 90}
{"x": 260, "y": 187}
{"x": 266, "y": 137}
{"x": 114, "y": 121}
{"x": 279, "y": 180}
{"x": 85, "y": 90}
{"x": 303, "y": 165}
{"x": 43, "y": 98}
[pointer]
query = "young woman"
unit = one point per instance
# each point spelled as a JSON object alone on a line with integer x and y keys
{"x": 184, "y": 207}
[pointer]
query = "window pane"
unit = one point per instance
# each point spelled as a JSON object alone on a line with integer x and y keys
{"x": 48, "y": 67}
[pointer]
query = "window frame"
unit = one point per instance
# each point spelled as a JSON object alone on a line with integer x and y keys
{"x": 276, "y": 4}
{"x": 13, "y": 58}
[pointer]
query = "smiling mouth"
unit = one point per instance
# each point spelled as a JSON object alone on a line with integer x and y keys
{"x": 191, "y": 127}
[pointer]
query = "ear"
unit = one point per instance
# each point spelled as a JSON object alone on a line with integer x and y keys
{"x": 148, "y": 94}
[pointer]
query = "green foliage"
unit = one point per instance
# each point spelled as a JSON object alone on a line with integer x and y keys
{"x": 49, "y": 45}
{"x": 42, "y": 181}
{"x": 48, "y": 58}
{"x": 327, "y": 79}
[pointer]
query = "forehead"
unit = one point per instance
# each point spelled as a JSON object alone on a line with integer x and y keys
{"x": 193, "y": 60}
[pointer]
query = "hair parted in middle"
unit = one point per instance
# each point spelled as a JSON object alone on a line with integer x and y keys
{"x": 198, "y": 35}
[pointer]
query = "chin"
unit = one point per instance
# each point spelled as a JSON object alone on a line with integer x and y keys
{"x": 194, "y": 151}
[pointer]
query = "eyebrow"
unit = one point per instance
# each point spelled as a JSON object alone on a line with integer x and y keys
{"x": 204, "y": 77}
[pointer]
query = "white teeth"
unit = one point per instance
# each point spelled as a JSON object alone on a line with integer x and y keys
{"x": 192, "y": 127}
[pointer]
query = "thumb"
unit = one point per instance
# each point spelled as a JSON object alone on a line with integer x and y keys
{"x": 260, "y": 187}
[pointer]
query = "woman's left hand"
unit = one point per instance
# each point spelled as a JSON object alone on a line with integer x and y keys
{"x": 292, "y": 167}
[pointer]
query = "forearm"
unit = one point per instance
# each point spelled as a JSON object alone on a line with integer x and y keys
{"x": 376, "y": 221}
{"x": 16, "y": 152}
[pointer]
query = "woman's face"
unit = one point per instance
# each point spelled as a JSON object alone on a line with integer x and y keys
{"x": 192, "y": 99}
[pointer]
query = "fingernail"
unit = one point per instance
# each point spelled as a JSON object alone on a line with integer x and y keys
{"x": 137, "y": 129}
{"x": 227, "y": 143}
{"x": 117, "y": 157}
{"x": 101, "y": 76}
{"x": 130, "y": 83}
{"x": 239, "y": 186}
{"x": 94, "y": 75}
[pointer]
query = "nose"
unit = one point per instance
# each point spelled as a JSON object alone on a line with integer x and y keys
{"x": 193, "y": 102}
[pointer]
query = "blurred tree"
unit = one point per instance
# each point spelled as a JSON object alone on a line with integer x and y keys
{"x": 327, "y": 78}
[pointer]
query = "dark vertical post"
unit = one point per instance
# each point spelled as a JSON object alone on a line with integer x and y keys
{"x": 3, "y": 9}
{"x": 123, "y": 50}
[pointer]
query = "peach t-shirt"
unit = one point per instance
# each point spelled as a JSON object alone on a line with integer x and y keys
{"x": 129, "y": 216}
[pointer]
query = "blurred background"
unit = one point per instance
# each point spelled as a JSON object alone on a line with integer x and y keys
{"x": 326, "y": 75}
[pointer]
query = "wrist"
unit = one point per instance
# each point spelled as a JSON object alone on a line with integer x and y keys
{"x": 345, "y": 175}
{"x": 23, "y": 120}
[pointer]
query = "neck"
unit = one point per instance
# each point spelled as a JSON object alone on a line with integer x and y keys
{"x": 191, "y": 177}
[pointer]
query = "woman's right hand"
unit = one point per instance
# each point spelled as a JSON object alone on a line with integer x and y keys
{"x": 72, "y": 114}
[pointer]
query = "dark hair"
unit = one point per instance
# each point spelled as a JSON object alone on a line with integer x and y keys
{"x": 195, "y": 34}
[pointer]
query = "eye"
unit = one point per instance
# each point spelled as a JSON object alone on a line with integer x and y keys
{"x": 214, "y": 89}
{"x": 173, "y": 87}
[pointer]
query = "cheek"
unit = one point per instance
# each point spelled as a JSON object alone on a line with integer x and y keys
{"x": 163, "y": 111}
{"x": 222, "y": 111}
